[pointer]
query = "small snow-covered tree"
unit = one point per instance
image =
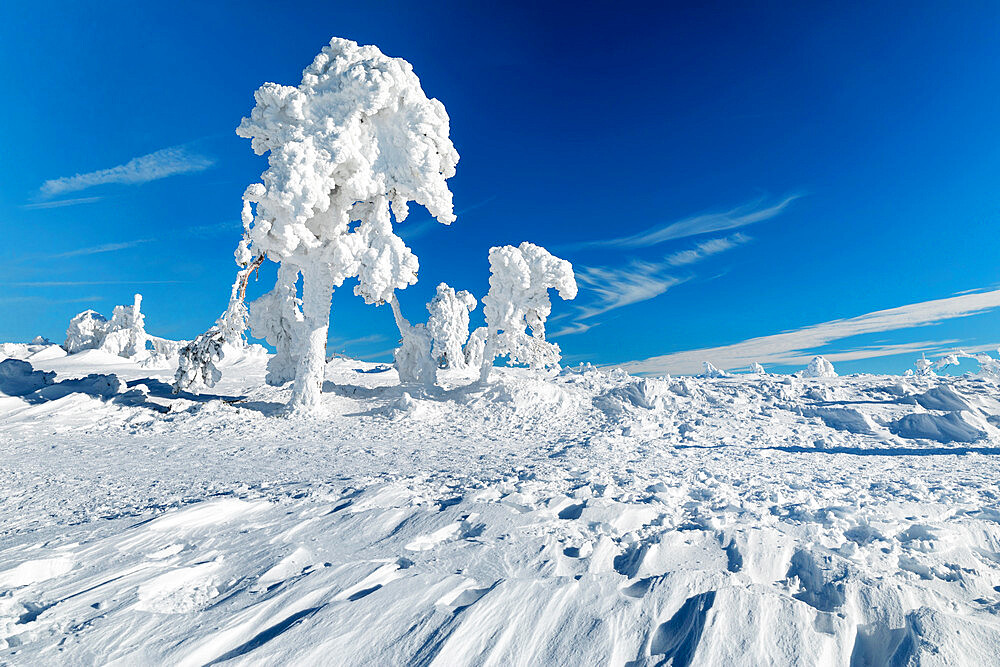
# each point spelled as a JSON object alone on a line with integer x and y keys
{"x": 448, "y": 325}
{"x": 757, "y": 369}
{"x": 518, "y": 300}
{"x": 475, "y": 348}
{"x": 413, "y": 360}
{"x": 924, "y": 366}
{"x": 356, "y": 140}
{"x": 196, "y": 362}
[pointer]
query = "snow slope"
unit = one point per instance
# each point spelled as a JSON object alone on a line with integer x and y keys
{"x": 588, "y": 517}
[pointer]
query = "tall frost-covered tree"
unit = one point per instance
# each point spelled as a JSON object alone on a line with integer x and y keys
{"x": 355, "y": 142}
{"x": 518, "y": 301}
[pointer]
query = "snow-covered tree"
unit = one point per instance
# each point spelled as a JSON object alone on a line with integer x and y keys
{"x": 475, "y": 348}
{"x": 86, "y": 331}
{"x": 448, "y": 325}
{"x": 355, "y": 141}
{"x": 126, "y": 335}
{"x": 757, "y": 369}
{"x": 518, "y": 300}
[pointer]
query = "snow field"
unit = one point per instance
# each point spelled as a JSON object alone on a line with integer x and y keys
{"x": 580, "y": 518}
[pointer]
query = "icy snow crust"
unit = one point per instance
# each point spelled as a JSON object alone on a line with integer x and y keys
{"x": 583, "y": 517}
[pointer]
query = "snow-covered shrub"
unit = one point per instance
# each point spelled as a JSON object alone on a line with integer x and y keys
{"x": 819, "y": 367}
{"x": 518, "y": 300}
{"x": 197, "y": 361}
{"x": 275, "y": 317}
{"x": 448, "y": 325}
{"x": 86, "y": 332}
{"x": 356, "y": 140}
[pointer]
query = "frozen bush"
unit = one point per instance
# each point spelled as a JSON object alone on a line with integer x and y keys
{"x": 126, "y": 332}
{"x": 412, "y": 359}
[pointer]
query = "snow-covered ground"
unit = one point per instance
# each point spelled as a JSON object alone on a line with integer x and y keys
{"x": 582, "y": 518}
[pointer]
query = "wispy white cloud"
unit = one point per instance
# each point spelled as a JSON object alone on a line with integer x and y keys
{"x": 361, "y": 340}
{"x": 798, "y": 346}
{"x": 609, "y": 288}
{"x": 741, "y": 216}
{"x": 78, "y": 283}
{"x": 98, "y": 249}
{"x": 614, "y": 288}
{"x": 160, "y": 164}
{"x": 707, "y": 249}
{"x": 62, "y": 202}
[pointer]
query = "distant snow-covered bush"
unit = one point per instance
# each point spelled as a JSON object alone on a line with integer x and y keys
{"x": 712, "y": 372}
{"x": 819, "y": 367}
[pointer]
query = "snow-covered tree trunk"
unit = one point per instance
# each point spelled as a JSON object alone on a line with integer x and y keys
{"x": 317, "y": 294}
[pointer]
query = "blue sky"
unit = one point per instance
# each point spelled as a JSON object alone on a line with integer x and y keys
{"x": 716, "y": 175}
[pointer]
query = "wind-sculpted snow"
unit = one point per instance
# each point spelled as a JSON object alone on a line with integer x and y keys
{"x": 579, "y": 517}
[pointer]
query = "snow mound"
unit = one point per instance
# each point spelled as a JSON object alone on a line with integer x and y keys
{"x": 949, "y": 427}
{"x": 19, "y": 378}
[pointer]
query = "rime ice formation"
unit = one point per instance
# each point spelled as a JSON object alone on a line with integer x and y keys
{"x": 356, "y": 140}
{"x": 712, "y": 372}
{"x": 518, "y": 300}
{"x": 819, "y": 367}
{"x": 448, "y": 325}
{"x": 757, "y": 368}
